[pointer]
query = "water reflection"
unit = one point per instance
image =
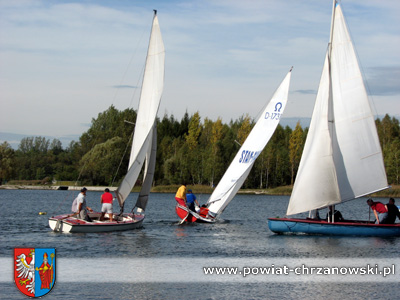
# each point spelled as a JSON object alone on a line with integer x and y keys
{"x": 180, "y": 232}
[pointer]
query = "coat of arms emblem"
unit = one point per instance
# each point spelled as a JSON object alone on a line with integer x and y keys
{"x": 34, "y": 270}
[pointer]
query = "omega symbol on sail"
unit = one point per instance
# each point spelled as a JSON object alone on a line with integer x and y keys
{"x": 276, "y": 115}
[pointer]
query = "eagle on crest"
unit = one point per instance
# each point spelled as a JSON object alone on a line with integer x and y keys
{"x": 26, "y": 272}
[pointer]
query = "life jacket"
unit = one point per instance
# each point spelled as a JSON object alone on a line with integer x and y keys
{"x": 203, "y": 212}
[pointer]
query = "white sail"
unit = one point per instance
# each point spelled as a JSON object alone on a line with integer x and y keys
{"x": 342, "y": 157}
{"x": 244, "y": 160}
{"x": 152, "y": 87}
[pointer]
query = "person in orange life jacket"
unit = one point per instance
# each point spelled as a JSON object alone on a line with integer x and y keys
{"x": 190, "y": 200}
{"x": 393, "y": 212}
{"x": 106, "y": 200}
{"x": 380, "y": 211}
{"x": 203, "y": 211}
{"x": 180, "y": 196}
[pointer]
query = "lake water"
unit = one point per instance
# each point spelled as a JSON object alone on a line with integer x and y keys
{"x": 165, "y": 261}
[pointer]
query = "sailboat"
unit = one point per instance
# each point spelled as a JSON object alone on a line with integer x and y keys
{"x": 243, "y": 162}
{"x": 143, "y": 151}
{"x": 342, "y": 159}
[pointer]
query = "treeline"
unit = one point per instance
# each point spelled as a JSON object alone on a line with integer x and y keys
{"x": 195, "y": 150}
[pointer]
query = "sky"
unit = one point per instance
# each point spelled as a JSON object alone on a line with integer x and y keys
{"x": 64, "y": 62}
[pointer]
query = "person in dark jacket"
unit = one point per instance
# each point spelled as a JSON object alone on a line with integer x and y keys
{"x": 393, "y": 212}
{"x": 337, "y": 215}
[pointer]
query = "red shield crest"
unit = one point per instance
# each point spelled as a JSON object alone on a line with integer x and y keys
{"x": 34, "y": 270}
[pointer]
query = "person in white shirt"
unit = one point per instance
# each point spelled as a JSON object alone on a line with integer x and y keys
{"x": 82, "y": 208}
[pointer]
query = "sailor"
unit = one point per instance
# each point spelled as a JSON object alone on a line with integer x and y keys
{"x": 81, "y": 210}
{"x": 180, "y": 196}
{"x": 190, "y": 200}
{"x": 106, "y": 201}
{"x": 337, "y": 215}
{"x": 380, "y": 211}
{"x": 393, "y": 211}
{"x": 203, "y": 211}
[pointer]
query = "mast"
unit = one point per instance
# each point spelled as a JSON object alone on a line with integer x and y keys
{"x": 332, "y": 21}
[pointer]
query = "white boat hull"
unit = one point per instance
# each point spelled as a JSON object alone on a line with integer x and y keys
{"x": 63, "y": 223}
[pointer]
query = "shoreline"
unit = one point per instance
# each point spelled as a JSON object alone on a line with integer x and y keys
{"x": 53, "y": 187}
{"x": 112, "y": 189}
{"x": 394, "y": 191}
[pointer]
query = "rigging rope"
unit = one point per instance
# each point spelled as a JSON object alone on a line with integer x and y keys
{"x": 122, "y": 158}
{"x": 70, "y": 193}
{"x": 128, "y": 67}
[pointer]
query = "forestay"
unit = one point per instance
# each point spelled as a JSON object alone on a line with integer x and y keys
{"x": 244, "y": 160}
{"x": 342, "y": 158}
{"x": 145, "y": 129}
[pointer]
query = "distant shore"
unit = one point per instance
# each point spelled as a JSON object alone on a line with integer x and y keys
{"x": 394, "y": 191}
{"x": 51, "y": 187}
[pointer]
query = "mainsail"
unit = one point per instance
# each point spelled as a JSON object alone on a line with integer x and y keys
{"x": 244, "y": 160}
{"x": 144, "y": 141}
{"x": 342, "y": 158}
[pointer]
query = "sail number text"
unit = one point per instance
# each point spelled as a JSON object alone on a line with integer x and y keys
{"x": 276, "y": 115}
{"x": 248, "y": 156}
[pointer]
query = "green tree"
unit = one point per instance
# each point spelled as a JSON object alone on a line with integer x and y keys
{"x": 34, "y": 145}
{"x": 174, "y": 167}
{"x": 216, "y": 136}
{"x": 192, "y": 155}
{"x": 56, "y": 146}
{"x": 109, "y": 124}
{"x": 389, "y": 136}
{"x": 388, "y": 129}
{"x": 33, "y": 160}
{"x": 7, "y": 162}
{"x": 99, "y": 165}
{"x": 264, "y": 164}
{"x": 244, "y": 129}
{"x": 192, "y": 138}
{"x": 187, "y": 150}
{"x": 392, "y": 161}
{"x": 295, "y": 150}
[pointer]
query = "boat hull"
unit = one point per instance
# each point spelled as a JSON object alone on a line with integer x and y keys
{"x": 189, "y": 216}
{"x": 347, "y": 228}
{"x": 63, "y": 223}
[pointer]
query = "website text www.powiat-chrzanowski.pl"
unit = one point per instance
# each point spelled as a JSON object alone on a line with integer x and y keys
{"x": 302, "y": 270}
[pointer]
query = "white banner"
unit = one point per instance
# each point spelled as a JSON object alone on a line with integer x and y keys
{"x": 214, "y": 269}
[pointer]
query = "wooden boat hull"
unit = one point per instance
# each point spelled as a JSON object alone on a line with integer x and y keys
{"x": 63, "y": 223}
{"x": 347, "y": 228}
